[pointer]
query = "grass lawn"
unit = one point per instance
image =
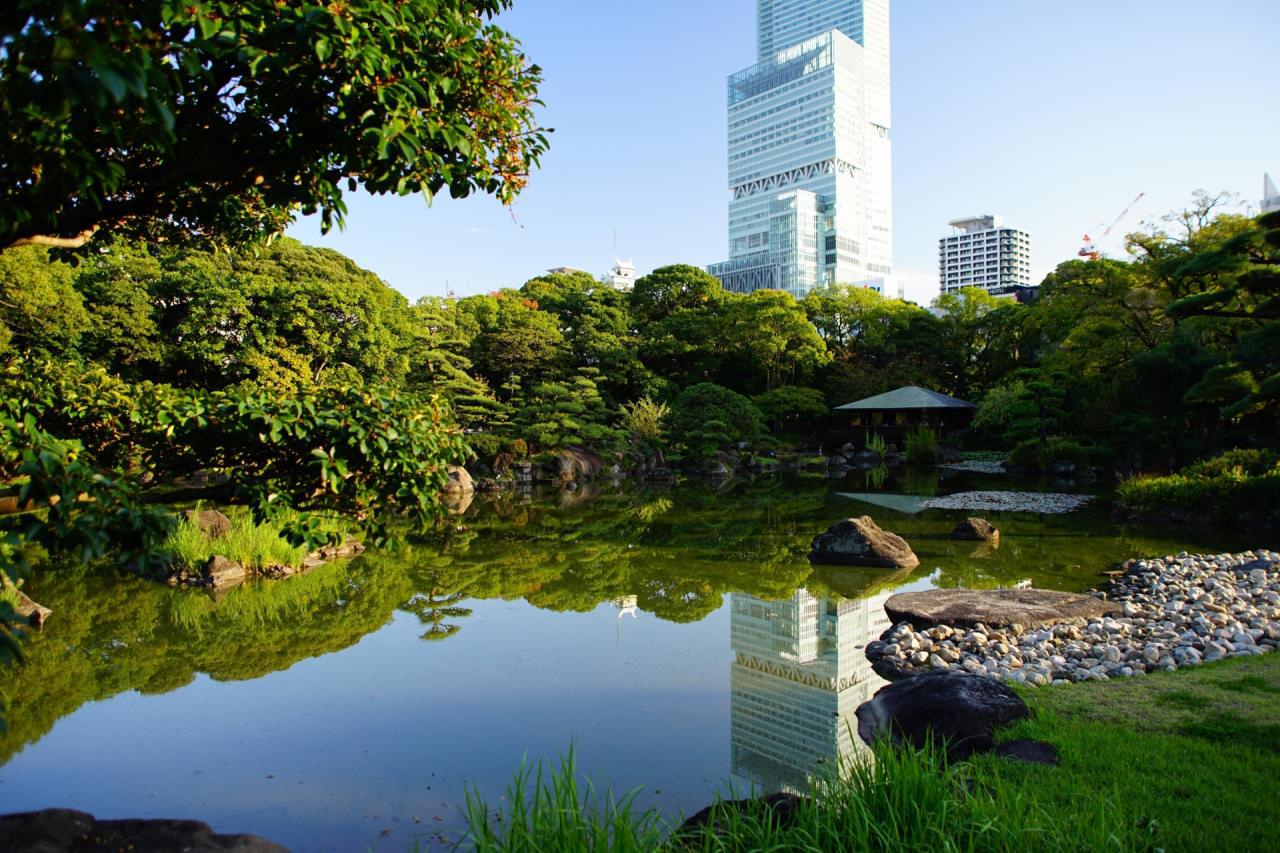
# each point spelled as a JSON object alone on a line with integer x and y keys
{"x": 1194, "y": 755}
{"x": 1174, "y": 761}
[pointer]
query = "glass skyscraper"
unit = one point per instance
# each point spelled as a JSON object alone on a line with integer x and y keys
{"x": 809, "y": 151}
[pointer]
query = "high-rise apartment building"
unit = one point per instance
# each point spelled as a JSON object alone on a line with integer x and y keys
{"x": 809, "y": 152}
{"x": 984, "y": 253}
{"x": 1270, "y": 196}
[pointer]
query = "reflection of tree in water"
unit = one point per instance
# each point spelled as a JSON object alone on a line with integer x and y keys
{"x": 647, "y": 511}
{"x": 679, "y": 553}
{"x": 113, "y": 634}
{"x": 432, "y": 611}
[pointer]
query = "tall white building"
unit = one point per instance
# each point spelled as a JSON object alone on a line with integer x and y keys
{"x": 1270, "y": 196}
{"x": 984, "y": 253}
{"x": 809, "y": 151}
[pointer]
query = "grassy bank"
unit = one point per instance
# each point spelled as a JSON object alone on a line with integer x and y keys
{"x": 254, "y": 546}
{"x": 1239, "y": 484}
{"x": 1194, "y": 755}
{"x": 1173, "y": 761}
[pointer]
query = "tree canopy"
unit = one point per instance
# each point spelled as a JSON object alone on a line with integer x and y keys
{"x": 218, "y": 121}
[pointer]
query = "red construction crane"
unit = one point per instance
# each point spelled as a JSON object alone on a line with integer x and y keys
{"x": 1090, "y": 249}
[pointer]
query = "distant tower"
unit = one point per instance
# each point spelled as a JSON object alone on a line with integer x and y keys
{"x": 809, "y": 151}
{"x": 984, "y": 253}
{"x": 621, "y": 276}
{"x": 1270, "y": 196}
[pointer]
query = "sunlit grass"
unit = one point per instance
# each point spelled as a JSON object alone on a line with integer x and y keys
{"x": 254, "y": 546}
{"x": 894, "y": 801}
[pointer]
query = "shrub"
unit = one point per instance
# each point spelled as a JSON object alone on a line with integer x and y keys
{"x": 485, "y": 445}
{"x": 1039, "y": 455}
{"x": 877, "y": 445}
{"x": 643, "y": 419}
{"x": 922, "y": 446}
{"x": 1241, "y": 463}
{"x": 1239, "y": 483}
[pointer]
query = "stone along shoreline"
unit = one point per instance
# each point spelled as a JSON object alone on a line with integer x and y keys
{"x": 1169, "y": 612}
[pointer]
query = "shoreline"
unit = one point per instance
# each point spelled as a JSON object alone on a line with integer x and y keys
{"x": 1176, "y": 611}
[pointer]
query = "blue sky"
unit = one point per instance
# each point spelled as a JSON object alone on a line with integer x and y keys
{"x": 1054, "y": 115}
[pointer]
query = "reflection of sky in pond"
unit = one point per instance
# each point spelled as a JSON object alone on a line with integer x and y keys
{"x": 313, "y": 712}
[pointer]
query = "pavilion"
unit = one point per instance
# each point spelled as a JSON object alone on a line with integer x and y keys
{"x": 895, "y": 413}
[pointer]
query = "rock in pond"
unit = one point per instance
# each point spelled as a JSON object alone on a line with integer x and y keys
{"x": 575, "y": 463}
{"x": 220, "y": 572}
{"x": 861, "y": 542}
{"x": 460, "y": 482}
{"x": 213, "y": 524}
{"x": 26, "y": 608}
{"x": 976, "y": 530}
{"x": 53, "y": 830}
{"x": 1031, "y": 608}
{"x": 948, "y": 706}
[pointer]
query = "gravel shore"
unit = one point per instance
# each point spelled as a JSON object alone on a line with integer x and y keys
{"x": 1038, "y": 502}
{"x": 1177, "y": 611}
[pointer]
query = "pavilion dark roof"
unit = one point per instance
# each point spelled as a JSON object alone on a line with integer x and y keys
{"x": 906, "y": 397}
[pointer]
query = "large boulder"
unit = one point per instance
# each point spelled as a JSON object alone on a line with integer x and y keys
{"x": 574, "y": 463}
{"x": 460, "y": 482}
{"x": 976, "y": 530}
{"x": 950, "y": 708}
{"x": 213, "y": 524}
{"x": 53, "y": 830}
{"x": 997, "y": 608}
{"x": 861, "y": 542}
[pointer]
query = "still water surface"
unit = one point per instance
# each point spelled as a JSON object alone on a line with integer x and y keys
{"x": 677, "y": 640}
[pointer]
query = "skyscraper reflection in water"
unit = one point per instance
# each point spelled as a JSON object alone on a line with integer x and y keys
{"x": 799, "y": 672}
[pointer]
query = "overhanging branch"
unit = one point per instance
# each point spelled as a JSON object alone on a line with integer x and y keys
{"x": 53, "y": 242}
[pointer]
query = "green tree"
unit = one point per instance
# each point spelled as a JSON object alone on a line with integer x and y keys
{"x": 39, "y": 307}
{"x": 219, "y": 120}
{"x": 767, "y": 330}
{"x": 669, "y": 289}
{"x": 596, "y": 323}
{"x": 707, "y": 417}
{"x": 645, "y": 421}
{"x": 513, "y": 338}
{"x": 560, "y": 413}
{"x": 967, "y": 336}
{"x": 790, "y": 406}
{"x": 438, "y": 364}
{"x": 287, "y": 316}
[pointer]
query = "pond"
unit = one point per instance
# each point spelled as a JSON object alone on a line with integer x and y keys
{"x": 676, "y": 639}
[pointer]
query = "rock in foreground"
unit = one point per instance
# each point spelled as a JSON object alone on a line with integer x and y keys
{"x": 56, "y": 830}
{"x": 861, "y": 542}
{"x": 1031, "y": 608}
{"x": 955, "y": 708}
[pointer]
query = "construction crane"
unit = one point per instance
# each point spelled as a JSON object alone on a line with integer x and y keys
{"x": 1090, "y": 249}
